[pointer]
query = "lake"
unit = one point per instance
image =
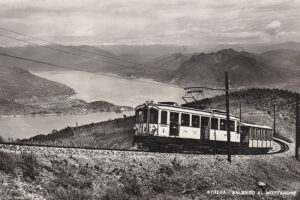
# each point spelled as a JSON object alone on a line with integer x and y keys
{"x": 24, "y": 127}
{"x": 93, "y": 87}
{"x": 89, "y": 87}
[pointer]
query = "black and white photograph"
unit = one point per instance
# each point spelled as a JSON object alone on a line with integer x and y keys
{"x": 149, "y": 99}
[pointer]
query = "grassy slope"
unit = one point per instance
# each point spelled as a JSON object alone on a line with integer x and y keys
{"x": 81, "y": 174}
{"x": 107, "y": 134}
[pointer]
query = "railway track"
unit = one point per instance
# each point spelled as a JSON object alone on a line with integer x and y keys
{"x": 283, "y": 148}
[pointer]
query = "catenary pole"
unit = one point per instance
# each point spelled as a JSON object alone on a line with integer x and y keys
{"x": 297, "y": 127}
{"x": 274, "y": 120}
{"x": 227, "y": 116}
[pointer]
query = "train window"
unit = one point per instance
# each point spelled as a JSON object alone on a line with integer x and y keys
{"x": 153, "y": 116}
{"x": 195, "y": 121}
{"x": 258, "y": 133}
{"x": 174, "y": 117}
{"x": 145, "y": 115}
{"x": 214, "y": 123}
{"x": 185, "y": 120}
{"x": 232, "y": 125}
{"x": 223, "y": 124}
{"x": 139, "y": 115}
{"x": 163, "y": 118}
{"x": 254, "y": 133}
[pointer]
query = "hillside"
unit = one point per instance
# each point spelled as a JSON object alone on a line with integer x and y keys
{"x": 18, "y": 87}
{"x": 169, "y": 62}
{"x": 115, "y": 133}
{"x": 18, "y": 83}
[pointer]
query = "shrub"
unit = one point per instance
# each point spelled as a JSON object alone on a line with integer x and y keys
{"x": 70, "y": 183}
{"x": 176, "y": 164}
{"x": 160, "y": 183}
{"x": 29, "y": 164}
{"x": 8, "y": 162}
{"x": 166, "y": 169}
{"x": 114, "y": 192}
{"x": 133, "y": 187}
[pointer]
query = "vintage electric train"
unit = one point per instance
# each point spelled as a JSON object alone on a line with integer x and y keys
{"x": 167, "y": 127}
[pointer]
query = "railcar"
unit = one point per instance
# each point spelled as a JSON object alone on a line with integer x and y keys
{"x": 168, "y": 127}
{"x": 256, "y": 138}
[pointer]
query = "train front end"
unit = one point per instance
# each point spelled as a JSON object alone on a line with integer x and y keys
{"x": 146, "y": 119}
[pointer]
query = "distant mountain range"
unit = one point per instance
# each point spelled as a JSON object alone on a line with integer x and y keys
{"x": 283, "y": 58}
{"x": 276, "y": 67}
{"x": 255, "y": 48}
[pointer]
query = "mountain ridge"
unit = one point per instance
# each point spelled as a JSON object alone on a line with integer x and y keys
{"x": 245, "y": 69}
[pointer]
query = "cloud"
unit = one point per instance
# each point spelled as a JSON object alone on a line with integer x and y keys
{"x": 180, "y": 22}
{"x": 273, "y": 27}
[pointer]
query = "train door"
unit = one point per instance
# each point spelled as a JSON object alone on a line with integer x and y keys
{"x": 139, "y": 121}
{"x": 174, "y": 124}
{"x": 245, "y": 131}
{"x": 204, "y": 128}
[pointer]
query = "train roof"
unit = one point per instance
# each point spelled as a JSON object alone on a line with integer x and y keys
{"x": 255, "y": 125}
{"x": 185, "y": 109}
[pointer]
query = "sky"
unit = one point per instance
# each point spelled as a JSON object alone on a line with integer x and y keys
{"x": 180, "y": 22}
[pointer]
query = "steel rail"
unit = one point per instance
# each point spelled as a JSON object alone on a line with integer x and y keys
{"x": 284, "y": 148}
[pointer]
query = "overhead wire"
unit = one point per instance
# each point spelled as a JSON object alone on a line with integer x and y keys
{"x": 70, "y": 53}
{"x": 81, "y": 50}
{"x": 98, "y": 73}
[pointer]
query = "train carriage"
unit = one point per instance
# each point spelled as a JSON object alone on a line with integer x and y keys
{"x": 257, "y": 138}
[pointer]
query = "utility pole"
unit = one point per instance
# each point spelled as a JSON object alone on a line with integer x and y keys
{"x": 227, "y": 116}
{"x": 274, "y": 120}
{"x": 124, "y": 123}
{"x": 240, "y": 131}
{"x": 297, "y": 128}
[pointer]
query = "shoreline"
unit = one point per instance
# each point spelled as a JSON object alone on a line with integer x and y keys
{"x": 55, "y": 114}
